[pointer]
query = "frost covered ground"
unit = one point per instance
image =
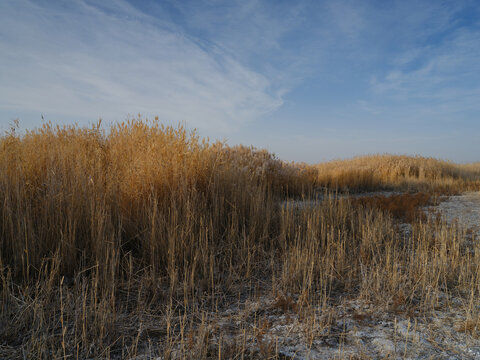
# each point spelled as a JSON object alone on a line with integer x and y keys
{"x": 463, "y": 208}
{"x": 356, "y": 330}
{"x": 284, "y": 327}
{"x": 268, "y": 328}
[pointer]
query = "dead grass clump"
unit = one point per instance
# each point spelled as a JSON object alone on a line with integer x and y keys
{"x": 141, "y": 210}
{"x": 82, "y": 192}
{"x": 406, "y": 207}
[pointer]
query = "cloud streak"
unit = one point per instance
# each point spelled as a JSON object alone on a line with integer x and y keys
{"x": 246, "y": 68}
{"x": 95, "y": 62}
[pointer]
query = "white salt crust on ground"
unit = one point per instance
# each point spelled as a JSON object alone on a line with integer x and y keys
{"x": 357, "y": 329}
{"x": 463, "y": 208}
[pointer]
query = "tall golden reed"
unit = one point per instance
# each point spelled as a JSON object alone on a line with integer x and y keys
{"x": 113, "y": 240}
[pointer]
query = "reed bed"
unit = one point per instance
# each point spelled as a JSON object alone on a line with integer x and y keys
{"x": 132, "y": 241}
{"x": 401, "y": 172}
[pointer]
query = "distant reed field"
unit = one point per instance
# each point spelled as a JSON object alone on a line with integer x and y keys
{"x": 373, "y": 172}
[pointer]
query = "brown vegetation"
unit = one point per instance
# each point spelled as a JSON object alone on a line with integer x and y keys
{"x": 406, "y": 207}
{"x": 368, "y": 173}
{"x": 127, "y": 242}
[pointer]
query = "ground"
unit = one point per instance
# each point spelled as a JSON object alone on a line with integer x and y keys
{"x": 266, "y": 325}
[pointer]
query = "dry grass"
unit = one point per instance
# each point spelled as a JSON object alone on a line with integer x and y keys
{"x": 373, "y": 172}
{"x": 406, "y": 207}
{"x": 128, "y": 242}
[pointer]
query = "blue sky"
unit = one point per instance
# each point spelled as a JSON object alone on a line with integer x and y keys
{"x": 308, "y": 80}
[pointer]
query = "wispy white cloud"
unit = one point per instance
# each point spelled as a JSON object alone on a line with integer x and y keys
{"x": 78, "y": 59}
{"x": 369, "y": 69}
{"x": 447, "y": 71}
{"x": 274, "y": 38}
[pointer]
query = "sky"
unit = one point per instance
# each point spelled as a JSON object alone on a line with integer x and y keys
{"x": 308, "y": 80}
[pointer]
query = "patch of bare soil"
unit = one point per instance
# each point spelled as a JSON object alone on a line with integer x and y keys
{"x": 464, "y": 209}
{"x": 276, "y": 328}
